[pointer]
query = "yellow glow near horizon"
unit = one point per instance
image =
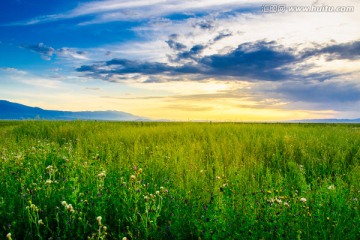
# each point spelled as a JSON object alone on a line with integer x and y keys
{"x": 208, "y": 100}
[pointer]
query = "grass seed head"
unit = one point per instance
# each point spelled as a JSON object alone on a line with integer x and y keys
{"x": 98, "y": 219}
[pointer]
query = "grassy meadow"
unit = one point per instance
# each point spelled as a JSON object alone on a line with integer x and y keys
{"x": 119, "y": 180}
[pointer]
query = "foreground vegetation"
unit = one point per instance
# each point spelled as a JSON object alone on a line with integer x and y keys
{"x": 98, "y": 180}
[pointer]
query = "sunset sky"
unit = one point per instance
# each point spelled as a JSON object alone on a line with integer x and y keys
{"x": 182, "y": 60}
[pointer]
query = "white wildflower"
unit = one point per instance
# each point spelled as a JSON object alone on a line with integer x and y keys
{"x": 303, "y": 200}
{"x": 98, "y": 219}
{"x": 48, "y": 182}
{"x": 302, "y": 169}
{"x": 102, "y": 174}
{"x": 331, "y": 187}
{"x": 70, "y": 208}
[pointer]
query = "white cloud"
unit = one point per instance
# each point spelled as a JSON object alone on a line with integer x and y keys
{"x": 115, "y": 10}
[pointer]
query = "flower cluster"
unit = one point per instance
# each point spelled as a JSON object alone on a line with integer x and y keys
{"x": 68, "y": 207}
{"x": 274, "y": 200}
{"x": 32, "y": 207}
{"x": 50, "y": 169}
{"x": 48, "y": 182}
{"x": 102, "y": 174}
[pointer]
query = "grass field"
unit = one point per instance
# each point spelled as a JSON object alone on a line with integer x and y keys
{"x": 107, "y": 180}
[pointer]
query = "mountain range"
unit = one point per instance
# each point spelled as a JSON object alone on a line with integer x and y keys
{"x": 327, "y": 120}
{"x": 16, "y": 111}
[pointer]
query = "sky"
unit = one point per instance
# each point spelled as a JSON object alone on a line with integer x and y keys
{"x": 184, "y": 60}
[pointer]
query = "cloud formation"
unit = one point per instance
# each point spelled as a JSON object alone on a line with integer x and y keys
{"x": 130, "y": 10}
{"x": 321, "y": 92}
{"x": 260, "y": 60}
{"x": 350, "y": 51}
{"x": 47, "y": 52}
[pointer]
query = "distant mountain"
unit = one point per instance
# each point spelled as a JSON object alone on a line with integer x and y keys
{"x": 329, "y": 120}
{"x": 15, "y": 111}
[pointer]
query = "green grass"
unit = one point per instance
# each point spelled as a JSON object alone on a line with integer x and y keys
{"x": 102, "y": 180}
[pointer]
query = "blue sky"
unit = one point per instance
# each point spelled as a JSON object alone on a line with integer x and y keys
{"x": 182, "y": 60}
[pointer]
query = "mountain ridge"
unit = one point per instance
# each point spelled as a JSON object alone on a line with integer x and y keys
{"x": 327, "y": 120}
{"x": 16, "y": 111}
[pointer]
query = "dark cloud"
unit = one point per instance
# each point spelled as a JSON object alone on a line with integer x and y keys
{"x": 261, "y": 60}
{"x": 205, "y": 25}
{"x": 67, "y": 51}
{"x": 193, "y": 52}
{"x": 175, "y": 45}
{"x": 81, "y": 52}
{"x": 320, "y": 92}
{"x": 349, "y": 51}
{"x": 222, "y": 35}
{"x": 46, "y": 52}
{"x": 125, "y": 66}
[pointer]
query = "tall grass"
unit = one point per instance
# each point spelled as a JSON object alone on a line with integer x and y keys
{"x": 106, "y": 180}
